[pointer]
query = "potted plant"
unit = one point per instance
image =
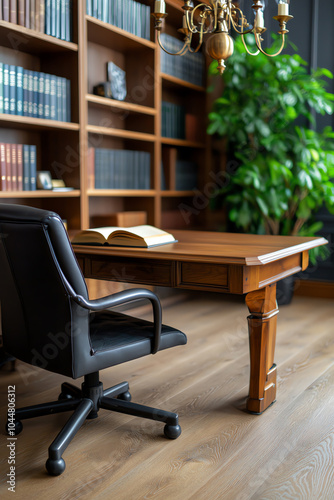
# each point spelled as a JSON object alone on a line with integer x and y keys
{"x": 284, "y": 168}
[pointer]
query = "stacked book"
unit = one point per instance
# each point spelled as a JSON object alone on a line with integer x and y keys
{"x": 190, "y": 67}
{"x": 129, "y": 15}
{"x": 17, "y": 167}
{"x": 32, "y": 93}
{"x": 52, "y": 17}
{"x": 186, "y": 175}
{"x": 119, "y": 169}
{"x": 173, "y": 120}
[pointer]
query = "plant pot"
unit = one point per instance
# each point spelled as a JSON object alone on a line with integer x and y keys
{"x": 284, "y": 290}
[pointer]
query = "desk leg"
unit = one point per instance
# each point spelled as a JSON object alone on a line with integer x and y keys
{"x": 262, "y": 337}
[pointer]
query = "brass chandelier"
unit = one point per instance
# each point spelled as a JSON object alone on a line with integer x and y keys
{"x": 218, "y": 17}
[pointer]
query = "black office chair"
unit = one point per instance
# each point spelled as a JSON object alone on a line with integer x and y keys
{"x": 49, "y": 321}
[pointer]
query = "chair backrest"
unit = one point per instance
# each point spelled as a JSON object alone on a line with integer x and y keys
{"x": 38, "y": 316}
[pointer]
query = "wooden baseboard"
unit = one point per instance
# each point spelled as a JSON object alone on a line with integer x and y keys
{"x": 321, "y": 289}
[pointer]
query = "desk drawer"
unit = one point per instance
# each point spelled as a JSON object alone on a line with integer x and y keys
{"x": 142, "y": 271}
{"x": 200, "y": 276}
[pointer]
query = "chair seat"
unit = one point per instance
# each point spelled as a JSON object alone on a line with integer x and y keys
{"x": 111, "y": 330}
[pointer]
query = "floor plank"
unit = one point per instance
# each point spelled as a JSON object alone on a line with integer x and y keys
{"x": 223, "y": 452}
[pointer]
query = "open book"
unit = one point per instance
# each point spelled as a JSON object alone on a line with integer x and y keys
{"x": 137, "y": 236}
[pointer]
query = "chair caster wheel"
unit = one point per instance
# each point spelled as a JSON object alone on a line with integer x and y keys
{"x": 172, "y": 431}
{"x": 63, "y": 396}
{"x": 55, "y": 467}
{"x": 126, "y": 396}
{"x": 14, "y": 431}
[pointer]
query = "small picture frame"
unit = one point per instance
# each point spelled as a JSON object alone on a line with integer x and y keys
{"x": 44, "y": 180}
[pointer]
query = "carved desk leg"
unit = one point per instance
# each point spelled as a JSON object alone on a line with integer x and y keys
{"x": 262, "y": 337}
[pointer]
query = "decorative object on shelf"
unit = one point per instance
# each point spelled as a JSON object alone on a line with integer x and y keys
{"x": 117, "y": 78}
{"x": 217, "y": 18}
{"x": 44, "y": 180}
{"x": 103, "y": 90}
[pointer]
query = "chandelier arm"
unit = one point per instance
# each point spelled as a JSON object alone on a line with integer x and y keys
{"x": 247, "y": 49}
{"x": 190, "y": 22}
{"x": 181, "y": 52}
{"x": 235, "y": 26}
{"x": 258, "y": 44}
{"x": 199, "y": 43}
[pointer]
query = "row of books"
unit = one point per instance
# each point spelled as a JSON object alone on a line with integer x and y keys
{"x": 17, "y": 167}
{"x": 118, "y": 169}
{"x": 52, "y": 17}
{"x": 32, "y": 93}
{"x": 129, "y": 15}
{"x": 173, "y": 120}
{"x": 190, "y": 67}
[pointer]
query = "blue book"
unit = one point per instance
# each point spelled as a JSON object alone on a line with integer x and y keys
{"x": 25, "y": 92}
{"x": 47, "y": 84}
{"x": 59, "y": 112}
{"x": 53, "y": 17}
{"x": 5, "y": 88}
{"x": 63, "y": 14}
{"x": 105, "y": 11}
{"x": 1, "y": 87}
{"x": 89, "y": 10}
{"x": 48, "y": 17}
{"x": 35, "y": 76}
{"x": 99, "y": 9}
{"x": 26, "y": 167}
{"x": 30, "y": 92}
{"x": 19, "y": 90}
{"x": 95, "y": 8}
{"x": 68, "y": 100}
{"x": 57, "y": 18}
{"x": 33, "y": 167}
{"x": 68, "y": 20}
{"x": 41, "y": 95}
{"x": 12, "y": 89}
{"x": 53, "y": 97}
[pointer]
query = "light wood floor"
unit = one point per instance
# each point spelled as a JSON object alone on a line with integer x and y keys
{"x": 223, "y": 452}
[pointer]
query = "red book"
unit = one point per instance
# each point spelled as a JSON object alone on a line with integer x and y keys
{"x": 19, "y": 158}
{"x": 14, "y": 167}
{"x": 13, "y": 12}
{"x": 20, "y": 13}
{"x": 3, "y": 178}
{"x": 8, "y": 167}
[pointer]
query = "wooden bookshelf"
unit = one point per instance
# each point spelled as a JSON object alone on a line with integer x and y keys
{"x": 132, "y": 124}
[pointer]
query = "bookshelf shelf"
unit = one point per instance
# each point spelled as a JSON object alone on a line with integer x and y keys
{"x": 26, "y": 122}
{"x": 39, "y": 194}
{"x": 27, "y": 40}
{"x": 109, "y": 35}
{"x": 125, "y": 134}
{"x": 181, "y": 142}
{"x": 128, "y": 106}
{"x": 122, "y": 192}
{"x": 174, "y": 82}
{"x": 176, "y": 194}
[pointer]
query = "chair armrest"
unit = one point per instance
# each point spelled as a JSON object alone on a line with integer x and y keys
{"x": 123, "y": 298}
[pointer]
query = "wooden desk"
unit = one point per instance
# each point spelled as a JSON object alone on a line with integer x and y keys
{"x": 219, "y": 262}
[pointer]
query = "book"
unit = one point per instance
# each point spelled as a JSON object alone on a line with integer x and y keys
{"x": 13, "y": 12}
{"x": 136, "y": 236}
{"x": 20, "y": 14}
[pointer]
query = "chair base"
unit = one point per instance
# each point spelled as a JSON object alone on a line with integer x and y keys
{"x": 85, "y": 404}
